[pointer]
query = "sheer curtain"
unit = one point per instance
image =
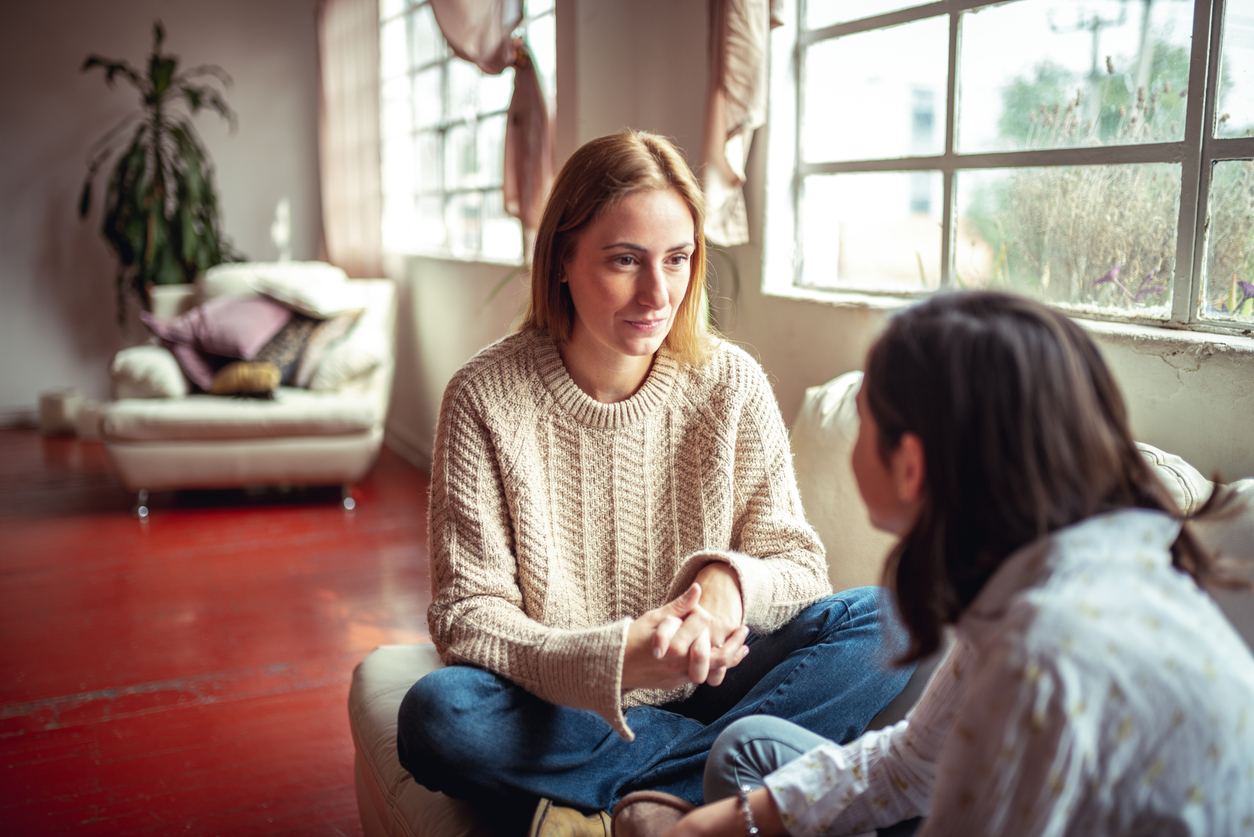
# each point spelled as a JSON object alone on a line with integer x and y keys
{"x": 735, "y": 108}
{"x": 348, "y": 132}
{"x": 480, "y": 31}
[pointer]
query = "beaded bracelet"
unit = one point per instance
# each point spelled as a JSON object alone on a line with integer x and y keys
{"x": 751, "y": 827}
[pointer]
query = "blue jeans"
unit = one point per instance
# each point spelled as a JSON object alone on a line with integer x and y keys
{"x": 475, "y": 735}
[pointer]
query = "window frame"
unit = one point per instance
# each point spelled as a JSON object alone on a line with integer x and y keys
{"x": 1196, "y": 153}
{"x": 441, "y": 129}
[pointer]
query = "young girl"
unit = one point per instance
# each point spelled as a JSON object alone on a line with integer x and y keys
{"x": 1093, "y": 688}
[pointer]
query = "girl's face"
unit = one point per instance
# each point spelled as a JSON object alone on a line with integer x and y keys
{"x": 891, "y": 490}
{"x": 629, "y": 274}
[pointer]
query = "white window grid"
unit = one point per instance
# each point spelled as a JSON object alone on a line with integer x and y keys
{"x": 1196, "y": 153}
{"x": 481, "y": 189}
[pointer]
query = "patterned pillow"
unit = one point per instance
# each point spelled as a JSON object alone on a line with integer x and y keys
{"x": 210, "y": 335}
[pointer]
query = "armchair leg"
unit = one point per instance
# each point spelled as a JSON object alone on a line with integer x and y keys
{"x": 346, "y": 498}
{"x": 141, "y": 504}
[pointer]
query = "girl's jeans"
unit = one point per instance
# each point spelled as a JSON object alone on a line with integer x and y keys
{"x": 475, "y": 735}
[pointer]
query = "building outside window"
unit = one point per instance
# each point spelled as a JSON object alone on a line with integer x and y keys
{"x": 1096, "y": 154}
{"x": 443, "y": 135}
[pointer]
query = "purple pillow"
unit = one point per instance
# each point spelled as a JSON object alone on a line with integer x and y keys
{"x": 229, "y": 327}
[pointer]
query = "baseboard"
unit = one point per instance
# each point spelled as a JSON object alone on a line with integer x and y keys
{"x": 19, "y": 418}
{"x": 415, "y": 452}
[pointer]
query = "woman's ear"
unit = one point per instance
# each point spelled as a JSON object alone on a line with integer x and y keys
{"x": 909, "y": 469}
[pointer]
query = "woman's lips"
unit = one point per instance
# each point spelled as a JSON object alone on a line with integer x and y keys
{"x": 646, "y": 325}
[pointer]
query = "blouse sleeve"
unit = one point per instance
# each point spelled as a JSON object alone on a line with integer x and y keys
{"x": 776, "y": 555}
{"x": 884, "y": 777}
{"x": 476, "y": 615}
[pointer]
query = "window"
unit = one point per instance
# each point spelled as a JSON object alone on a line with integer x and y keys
{"x": 1097, "y": 154}
{"x": 443, "y": 135}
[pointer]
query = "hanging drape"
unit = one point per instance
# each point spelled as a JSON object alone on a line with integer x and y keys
{"x": 480, "y": 31}
{"x": 735, "y": 108}
{"x": 348, "y": 134}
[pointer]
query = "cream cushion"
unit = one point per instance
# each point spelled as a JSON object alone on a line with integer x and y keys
{"x": 307, "y": 282}
{"x": 293, "y": 412}
{"x": 823, "y": 436}
{"x": 358, "y": 354}
{"x": 147, "y": 372}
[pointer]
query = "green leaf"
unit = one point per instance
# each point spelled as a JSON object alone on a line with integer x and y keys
{"x": 160, "y": 213}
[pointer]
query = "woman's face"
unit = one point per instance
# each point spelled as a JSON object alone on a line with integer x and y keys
{"x": 629, "y": 274}
{"x": 889, "y": 489}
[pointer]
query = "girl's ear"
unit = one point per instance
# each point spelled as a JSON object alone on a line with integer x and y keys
{"x": 909, "y": 469}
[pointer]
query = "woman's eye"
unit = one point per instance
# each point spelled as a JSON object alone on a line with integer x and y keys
{"x": 680, "y": 259}
{"x": 625, "y": 261}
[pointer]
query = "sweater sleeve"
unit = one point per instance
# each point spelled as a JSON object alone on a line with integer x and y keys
{"x": 777, "y": 556}
{"x": 476, "y": 615}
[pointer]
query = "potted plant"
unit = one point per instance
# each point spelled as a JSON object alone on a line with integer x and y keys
{"x": 161, "y": 210}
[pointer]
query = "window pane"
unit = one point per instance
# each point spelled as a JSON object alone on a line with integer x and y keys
{"x": 491, "y": 140}
{"x": 502, "y": 234}
{"x": 538, "y": 7}
{"x": 862, "y": 103}
{"x": 463, "y": 90}
{"x": 426, "y": 42}
{"x": 495, "y": 91}
{"x": 393, "y": 58}
{"x": 464, "y": 219}
{"x": 390, "y": 8}
{"x": 872, "y": 231}
{"x": 396, "y": 117}
{"x": 429, "y": 232}
{"x": 821, "y": 13}
{"x": 399, "y": 223}
{"x": 396, "y": 166}
{"x": 542, "y": 41}
{"x": 428, "y": 162}
{"x": 1235, "y": 106}
{"x": 1230, "y": 243}
{"x": 461, "y": 166}
{"x": 1068, "y": 73}
{"x": 1101, "y": 238}
{"x": 428, "y": 101}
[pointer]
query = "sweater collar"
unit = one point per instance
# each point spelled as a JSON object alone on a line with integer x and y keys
{"x": 587, "y": 410}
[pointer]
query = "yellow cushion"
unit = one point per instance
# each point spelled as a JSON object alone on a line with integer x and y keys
{"x": 246, "y": 378}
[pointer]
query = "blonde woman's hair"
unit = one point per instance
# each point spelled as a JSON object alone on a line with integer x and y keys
{"x": 595, "y": 178}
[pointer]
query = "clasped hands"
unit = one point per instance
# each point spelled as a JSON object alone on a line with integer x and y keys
{"x": 694, "y": 639}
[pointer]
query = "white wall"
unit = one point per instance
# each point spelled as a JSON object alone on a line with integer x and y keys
{"x": 57, "y": 323}
{"x": 642, "y": 64}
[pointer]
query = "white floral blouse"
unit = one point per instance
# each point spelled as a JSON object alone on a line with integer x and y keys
{"x": 1093, "y": 689}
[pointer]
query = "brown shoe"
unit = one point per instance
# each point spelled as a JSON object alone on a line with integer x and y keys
{"x": 553, "y": 820}
{"x": 647, "y": 814}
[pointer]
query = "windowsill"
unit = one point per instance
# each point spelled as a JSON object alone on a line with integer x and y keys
{"x": 1135, "y": 334}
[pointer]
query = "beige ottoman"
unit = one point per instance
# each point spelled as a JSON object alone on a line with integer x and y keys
{"x": 389, "y": 801}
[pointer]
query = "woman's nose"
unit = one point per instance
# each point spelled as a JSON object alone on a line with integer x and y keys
{"x": 651, "y": 287}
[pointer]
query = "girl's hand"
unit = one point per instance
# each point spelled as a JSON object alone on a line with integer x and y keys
{"x": 670, "y": 646}
{"x": 722, "y": 818}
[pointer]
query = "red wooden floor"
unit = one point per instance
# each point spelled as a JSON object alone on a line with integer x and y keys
{"x": 188, "y": 674}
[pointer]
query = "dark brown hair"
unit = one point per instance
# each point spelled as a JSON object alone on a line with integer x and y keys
{"x": 1024, "y": 432}
{"x": 597, "y": 176}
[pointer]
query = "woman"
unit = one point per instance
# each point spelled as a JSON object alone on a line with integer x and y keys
{"x": 615, "y": 524}
{"x": 1093, "y": 688}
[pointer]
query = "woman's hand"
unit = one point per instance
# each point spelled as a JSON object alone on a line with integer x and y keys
{"x": 722, "y": 818}
{"x": 670, "y": 646}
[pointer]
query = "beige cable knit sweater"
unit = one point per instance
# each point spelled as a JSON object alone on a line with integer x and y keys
{"x": 556, "y": 519}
